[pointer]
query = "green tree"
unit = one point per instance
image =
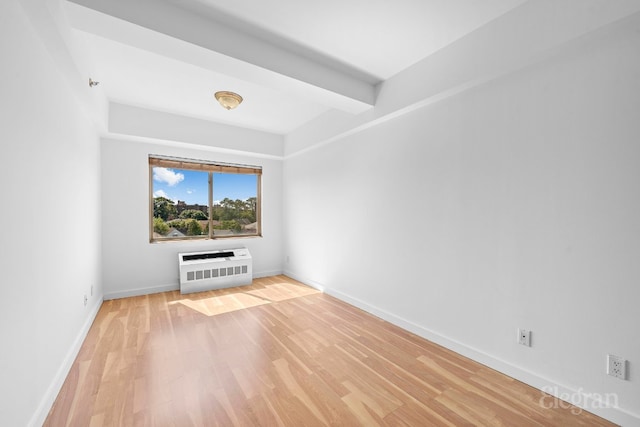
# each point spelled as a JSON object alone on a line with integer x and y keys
{"x": 251, "y": 204}
{"x": 194, "y": 228}
{"x": 227, "y": 211}
{"x": 164, "y": 208}
{"x": 193, "y": 214}
{"x": 178, "y": 224}
{"x": 160, "y": 227}
{"x": 229, "y": 225}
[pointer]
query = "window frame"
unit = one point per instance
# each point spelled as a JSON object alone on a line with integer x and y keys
{"x": 210, "y": 167}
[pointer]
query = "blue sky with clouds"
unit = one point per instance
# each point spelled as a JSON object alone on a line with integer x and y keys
{"x": 192, "y": 187}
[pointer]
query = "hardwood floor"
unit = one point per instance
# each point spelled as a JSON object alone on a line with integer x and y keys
{"x": 278, "y": 353}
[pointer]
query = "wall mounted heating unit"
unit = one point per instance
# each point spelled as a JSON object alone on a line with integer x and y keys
{"x": 203, "y": 271}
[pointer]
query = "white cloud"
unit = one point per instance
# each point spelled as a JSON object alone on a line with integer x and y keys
{"x": 167, "y": 175}
{"x": 161, "y": 193}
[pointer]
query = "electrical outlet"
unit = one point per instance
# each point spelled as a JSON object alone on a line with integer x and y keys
{"x": 616, "y": 367}
{"x": 85, "y": 300}
{"x": 524, "y": 337}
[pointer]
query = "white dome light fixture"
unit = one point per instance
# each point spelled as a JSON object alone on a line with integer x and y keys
{"x": 228, "y": 100}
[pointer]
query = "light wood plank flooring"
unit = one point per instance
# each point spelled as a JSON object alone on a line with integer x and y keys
{"x": 278, "y": 353}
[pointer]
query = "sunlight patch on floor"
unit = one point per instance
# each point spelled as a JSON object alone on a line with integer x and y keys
{"x": 245, "y": 299}
{"x": 282, "y": 292}
{"x": 223, "y": 304}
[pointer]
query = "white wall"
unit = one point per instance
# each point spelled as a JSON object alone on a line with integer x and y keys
{"x": 50, "y": 216}
{"x": 514, "y": 204}
{"x": 142, "y": 122}
{"x": 132, "y": 265}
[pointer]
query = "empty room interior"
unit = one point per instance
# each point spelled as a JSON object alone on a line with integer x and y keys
{"x": 441, "y": 223}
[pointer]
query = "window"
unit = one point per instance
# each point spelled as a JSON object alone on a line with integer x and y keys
{"x": 191, "y": 199}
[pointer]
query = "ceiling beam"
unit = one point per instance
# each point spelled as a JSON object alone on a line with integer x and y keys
{"x": 166, "y": 29}
{"x": 538, "y": 31}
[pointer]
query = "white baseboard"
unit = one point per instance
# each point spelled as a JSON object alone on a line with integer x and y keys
{"x": 579, "y": 398}
{"x": 49, "y": 398}
{"x": 135, "y": 292}
{"x": 309, "y": 282}
{"x": 51, "y": 394}
{"x": 583, "y": 400}
{"x": 257, "y": 275}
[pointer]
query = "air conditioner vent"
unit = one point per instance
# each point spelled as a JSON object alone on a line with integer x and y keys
{"x": 200, "y": 271}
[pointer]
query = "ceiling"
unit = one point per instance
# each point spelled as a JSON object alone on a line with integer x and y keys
{"x": 291, "y": 60}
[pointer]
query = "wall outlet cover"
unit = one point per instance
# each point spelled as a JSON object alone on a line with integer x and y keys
{"x": 616, "y": 367}
{"x": 524, "y": 337}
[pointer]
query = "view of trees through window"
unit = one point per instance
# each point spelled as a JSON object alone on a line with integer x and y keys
{"x": 181, "y": 209}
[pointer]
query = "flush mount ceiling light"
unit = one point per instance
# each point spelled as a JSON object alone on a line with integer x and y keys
{"x": 228, "y": 100}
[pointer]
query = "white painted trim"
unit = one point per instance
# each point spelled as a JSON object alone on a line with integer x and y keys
{"x": 266, "y": 273}
{"x": 306, "y": 281}
{"x": 585, "y": 401}
{"x": 135, "y": 292}
{"x": 54, "y": 388}
{"x": 580, "y": 399}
